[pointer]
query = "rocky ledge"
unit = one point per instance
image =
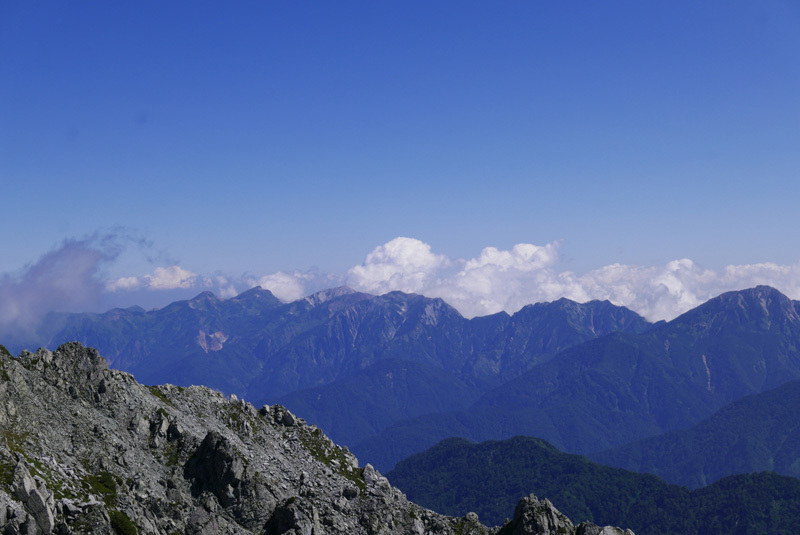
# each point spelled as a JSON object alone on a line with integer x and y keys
{"x": 86, "y": 449}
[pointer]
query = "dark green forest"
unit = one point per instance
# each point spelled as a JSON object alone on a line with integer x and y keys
{"x": 489, "y": 478}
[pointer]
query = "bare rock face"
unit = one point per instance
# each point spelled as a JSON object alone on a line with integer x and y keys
{"x": 216, "y": 467}
{"x": 539, "y": 517}
{"x": 36, "y": 499}
{"x": 86, "y": 449}
{"x": 591, "y": 529}
{"x": 534, "y": 517}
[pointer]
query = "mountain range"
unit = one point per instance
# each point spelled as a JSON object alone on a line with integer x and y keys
{"x": 314, "y": 352}
{"x": 626, "y": 386}
{"x": 392, "y": 375}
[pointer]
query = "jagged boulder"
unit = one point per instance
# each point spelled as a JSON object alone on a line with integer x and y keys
{"x": 291, "y": 517}
{"x": 540, "y": 517}
{"x": 591, "y": 529}
{"x": 216, "y": 467}
{"x": 35, "y": 497}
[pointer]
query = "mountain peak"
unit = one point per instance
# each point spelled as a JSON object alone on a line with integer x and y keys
{"x": 326, "y": 295}
{"x": 757, "y": 293}
{"x": 762, "y": 303}
{"x": 257, "y": 292}
{"x": 205, "y": 296}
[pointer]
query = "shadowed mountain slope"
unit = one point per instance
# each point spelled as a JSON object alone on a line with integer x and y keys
{"x": 624, "y": 387}
{"x": 755, "y": 433}
{"x": 456, "y": 476}
{"x": 255, "y": 345}
{"x": 318, "y": 351}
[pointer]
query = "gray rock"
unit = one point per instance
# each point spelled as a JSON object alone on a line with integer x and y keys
{"x": 539, "y": 517}
{"x": 535, "y": 517}
{"x": 591, "y": 529}
{"x": 186, "y": 460}
{"x": 216, "y": 467}
{"x": 35, "y": 497}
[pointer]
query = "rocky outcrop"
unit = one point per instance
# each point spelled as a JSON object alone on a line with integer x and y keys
{"x": 86, "y": 449}
{"x": 539, "y": 517}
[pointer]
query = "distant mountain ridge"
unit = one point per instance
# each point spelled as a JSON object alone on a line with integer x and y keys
{"x": 624, "y": 387}
{"x": 339, "y": 331}
{"x": 752, "y": 434}
{"x": 315, "y": 350}
{"x": 391, "y": 375}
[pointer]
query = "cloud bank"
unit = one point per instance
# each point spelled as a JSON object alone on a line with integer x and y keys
{"x": 498, "y": 280}
{"x": 70, "y": 278}
{"x": 507, "y": 280}
{"x": 162, "y": 278}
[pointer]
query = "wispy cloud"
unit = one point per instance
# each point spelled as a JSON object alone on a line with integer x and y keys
{"x": 73, "y": 277}
{"x": 66, "y": 278}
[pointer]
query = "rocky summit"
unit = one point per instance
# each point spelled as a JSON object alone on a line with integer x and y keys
{"x": 87, "y": 449}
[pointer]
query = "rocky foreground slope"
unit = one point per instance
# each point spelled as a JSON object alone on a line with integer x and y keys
{"x": 86, "y": 449}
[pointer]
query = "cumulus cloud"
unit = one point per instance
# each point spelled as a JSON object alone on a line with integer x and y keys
{"x": 123, "y": 283}
{"x": 162, "y": 278}
{"x": 225, "y": 287}
{"x": 285, "y": 286}
{"x": 290, "y": 286}
{"x": 404, "y": 264}
{"x": 501, "y": 280}
{"x": 169, "y": 278}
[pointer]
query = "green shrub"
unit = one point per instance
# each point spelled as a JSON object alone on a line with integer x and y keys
{"x": 121, "y": 524}
{"x": 105, "y": 485}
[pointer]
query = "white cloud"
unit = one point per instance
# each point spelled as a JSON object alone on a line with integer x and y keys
{"x": 493, "y": 281}
{"x": 226, "y": 292}
{"x": 509, "y": 279}
{"x": 66, "y": 278}
{"x": 521, "y": 257}
{"x": 285, "y": 286}
{"x": 404, "y": 264}
{"x": 170, "y": 278}
{"x": 502, "y": 280}
{"x": 123, "y": 283}
{"x": 225, "y": 287}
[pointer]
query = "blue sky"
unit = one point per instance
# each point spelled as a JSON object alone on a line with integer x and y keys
{"x": 243, "y": 139}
